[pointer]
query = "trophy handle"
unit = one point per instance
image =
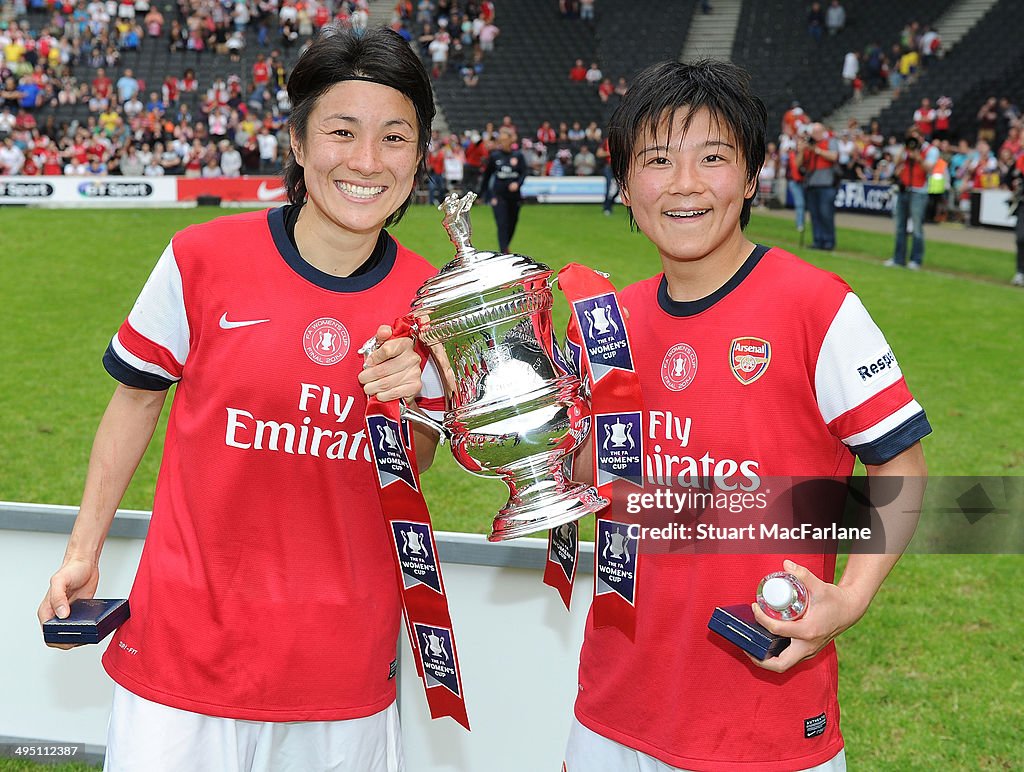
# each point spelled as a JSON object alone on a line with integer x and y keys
{"x": 407, "y": 412}
{"x": 411, "y": 415}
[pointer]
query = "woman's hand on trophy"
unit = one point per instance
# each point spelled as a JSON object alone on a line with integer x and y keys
{"x": 392, "y": 369}
{"x": 831, "y": 610}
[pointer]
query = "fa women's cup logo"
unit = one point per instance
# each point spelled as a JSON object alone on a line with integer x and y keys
{"x": 679, "y": 367}
{"x": 326, "y": 341}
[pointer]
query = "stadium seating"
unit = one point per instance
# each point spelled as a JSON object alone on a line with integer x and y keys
{"x": 154, "y": 62}
{"x": 987, "y": 62}
{"x": 526, "y": 76}
{"x": 773, "y": 43}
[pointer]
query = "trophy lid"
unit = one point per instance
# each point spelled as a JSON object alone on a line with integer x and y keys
{"x": 473, "y": 272}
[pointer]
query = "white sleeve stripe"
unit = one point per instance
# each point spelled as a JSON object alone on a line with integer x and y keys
{"x": 437, "y": 415}
{"x": 884, "y": 426}
{"x": 139, "y": 364}
{"x": 431, "y": 378}
{"x": 848, "y": 370}
{"x": 159, "y": 313}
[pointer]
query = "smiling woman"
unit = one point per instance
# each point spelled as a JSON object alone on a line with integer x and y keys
{"x": 359, "y": 126}
{"x": 768, "y": 355}
{"x": 266, "y": 506}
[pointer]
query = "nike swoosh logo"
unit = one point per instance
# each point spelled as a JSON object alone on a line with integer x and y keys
{"x": 226, "y": 325}
{"x": 263, "y": 193}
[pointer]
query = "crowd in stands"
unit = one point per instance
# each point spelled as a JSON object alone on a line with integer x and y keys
{"x": 235, "y": 125}
{"x": 875, "y": 68}
{"x": 820, "y": 21}
{"x": 238, "y": 125}
{"x": 452, "y": 36}
{"x": 595, "y": 79}
{"x": 985, "y": 160}
{"x": 456, "y": 163}
{"x": 179, "y": 126}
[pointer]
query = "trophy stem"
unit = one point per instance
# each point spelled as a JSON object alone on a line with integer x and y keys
{"x": 539, "y": 502}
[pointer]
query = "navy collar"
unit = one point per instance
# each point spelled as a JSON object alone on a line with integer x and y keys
{"x": 684, "y": 308}
{"x": 357, "y": 283}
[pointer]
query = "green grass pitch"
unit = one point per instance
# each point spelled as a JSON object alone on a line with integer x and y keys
{"x": 932, "y": 677}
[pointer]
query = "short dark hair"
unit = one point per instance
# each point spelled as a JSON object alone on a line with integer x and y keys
{"x": 335, "y": 55}
{"x": 720, "y": 87}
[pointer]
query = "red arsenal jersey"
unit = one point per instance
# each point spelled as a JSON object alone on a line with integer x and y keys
{"x": 781, "y": 372}
{"x": 266, "y": 589}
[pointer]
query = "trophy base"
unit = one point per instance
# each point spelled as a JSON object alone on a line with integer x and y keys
{"x": 546, "y": 509}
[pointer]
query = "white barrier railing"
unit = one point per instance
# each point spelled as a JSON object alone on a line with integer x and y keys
{"x": 519, "y": 648}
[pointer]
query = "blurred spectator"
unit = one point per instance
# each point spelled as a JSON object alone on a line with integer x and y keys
{"x": 795, "y": 174}
{"x": 476, "y": 156}
{"x": 235, "y": 44}
{"x": 820, "y": 155}
{"x": 1008, "y": 111}
{"x": 133, "y": 107}
{"x": 1012, "y": 144}
{"x": 766, "y": 178}
{"x": 988, "y": 116}
{"x": 31, "y": 93}
{"x": 102, "y": 86}
{"x": 913, "y": 167}
{"x": 131, "y": 164}
{"x": 154, "y": 22}
{"x": 127, "y": 86}
{"x": 929, "y": 45}
{"x": 851, "y": 67}
{"x": 924, "y": 119}
{"x": 578, "y": 73}
{"x": 487, "y": 36}
{"x": 594, "y": 74}
{"x": 943, "y": 114}
{"x": 1017, "y": 194}
{"x": 816, "y": 21}
{"x": 509, "y": 126}
{"x": 439, "y": 54}
{"x": 561, "y": 164}
{"x": 835, "y": 18}
{"x": 12, "y": 159}
{"x": 585, "y": 162}
{"x": 268, "y": 150}
{"x": 211, "y": 168}
{"x": 454, "y": 164}
{"x": 6, "y": 121}
{"x": 874, "y": 74}
{"x": 230, "y": 159}
{"x": 535, "y": 155}
{"x": 436, "y": 187}
{"x": 908, "y": 66}
{"x": 95, "y": 167}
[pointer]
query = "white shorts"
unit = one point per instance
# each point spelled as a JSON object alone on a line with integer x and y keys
{"x": 588, "y": 751}
{"x": 145, "y": 736}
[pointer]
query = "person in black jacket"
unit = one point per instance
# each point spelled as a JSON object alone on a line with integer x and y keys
{"x": 501, "y": 185}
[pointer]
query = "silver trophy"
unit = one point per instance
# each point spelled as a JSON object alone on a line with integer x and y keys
{"x": 511, "y": 412}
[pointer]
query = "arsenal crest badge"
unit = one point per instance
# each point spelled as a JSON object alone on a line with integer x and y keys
{"x": 749, "y": 358}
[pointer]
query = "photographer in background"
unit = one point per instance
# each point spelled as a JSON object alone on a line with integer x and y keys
{"x": 820, "y": 151}
{"x": 1017, "y": 190}
{"x": 913, "y": 168}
